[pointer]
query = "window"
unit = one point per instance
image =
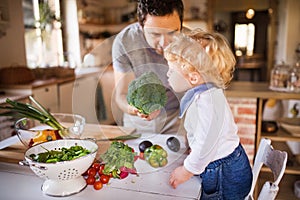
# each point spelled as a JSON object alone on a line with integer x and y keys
{"x": 244, "y": 39}
{"x": 43, "y": 35}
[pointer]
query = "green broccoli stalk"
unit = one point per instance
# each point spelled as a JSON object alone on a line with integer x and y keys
{"x": 147, "y": 93}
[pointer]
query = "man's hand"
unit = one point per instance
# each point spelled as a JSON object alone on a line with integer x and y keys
{"x": 134, "y": 111}
{"x": 149, "y": 117}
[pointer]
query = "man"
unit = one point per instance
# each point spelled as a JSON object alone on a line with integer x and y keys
{"x": 138, "y": 48}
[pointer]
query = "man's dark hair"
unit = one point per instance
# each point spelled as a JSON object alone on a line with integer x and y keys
{"x": 158, "y": 8}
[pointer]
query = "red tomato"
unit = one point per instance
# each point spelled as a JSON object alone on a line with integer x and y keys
{"x": 98, "y": 185}
{"x": 142, "y": 156}
{"x": 100, "y": 170}
{"x": 96, "y": 166}
{"x": 91, "y": 172}
{"x": 104, "y": 178}
{"x": 85, "y": 173}
{"x": 90, "y": 180}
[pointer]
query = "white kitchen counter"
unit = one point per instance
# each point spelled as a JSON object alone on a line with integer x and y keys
{"x": 19, "y": 182}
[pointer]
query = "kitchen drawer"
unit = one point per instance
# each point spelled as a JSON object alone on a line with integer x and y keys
{"x": 47, "y": 96}
{"x": 65, "y": 92}
{"x": 84, "y": 98}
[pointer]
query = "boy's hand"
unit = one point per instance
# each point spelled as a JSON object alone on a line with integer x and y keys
{"x": 179, "y": 175}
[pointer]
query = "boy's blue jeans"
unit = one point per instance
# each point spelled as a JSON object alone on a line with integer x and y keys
{"x": 227, "y": 178}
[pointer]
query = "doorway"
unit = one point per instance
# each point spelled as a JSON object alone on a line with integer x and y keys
{"x": 249, "y": 42}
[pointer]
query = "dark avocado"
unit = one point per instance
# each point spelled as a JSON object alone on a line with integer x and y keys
{"x": 144, "y": 145}
{"x": 173, "y": 144}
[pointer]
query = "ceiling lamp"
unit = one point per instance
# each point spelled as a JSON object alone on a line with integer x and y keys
{"x": 250, "y": 13}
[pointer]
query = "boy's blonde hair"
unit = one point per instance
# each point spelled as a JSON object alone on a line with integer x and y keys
{"x": 207, "y": 53}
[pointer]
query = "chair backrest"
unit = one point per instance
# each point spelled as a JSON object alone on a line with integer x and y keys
{"x": 276, "y": 161}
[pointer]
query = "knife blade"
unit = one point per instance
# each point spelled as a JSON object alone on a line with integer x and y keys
{"x": 9, "y": 141}
{"x": 122, "y": 137}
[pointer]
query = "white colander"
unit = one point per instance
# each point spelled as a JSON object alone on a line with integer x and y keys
{"x": 62, "y": 178}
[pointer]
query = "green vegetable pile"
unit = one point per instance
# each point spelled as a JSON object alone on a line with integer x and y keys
{"x": 117, "y": 158}
{"x": 147, "y": 93}
{"x": 64, "y": 154}
{"x": 156, "y": 156}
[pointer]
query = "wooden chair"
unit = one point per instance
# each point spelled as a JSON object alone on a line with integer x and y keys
{"x": 273, "y": 159}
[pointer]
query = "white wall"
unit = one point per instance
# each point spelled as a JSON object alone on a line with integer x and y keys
{"x": 12, "y": 45}
{"x": 288, "y": 33}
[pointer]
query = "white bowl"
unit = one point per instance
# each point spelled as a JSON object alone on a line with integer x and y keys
{"x": 27, "y": 128}
{"x": 73, "y": 122}
{"x": 62, "y": 178}
{"x": 292, "y": 125}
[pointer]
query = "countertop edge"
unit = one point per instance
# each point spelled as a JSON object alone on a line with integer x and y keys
{"x": 243, "y": 89}
{"x": 79, "y": 73}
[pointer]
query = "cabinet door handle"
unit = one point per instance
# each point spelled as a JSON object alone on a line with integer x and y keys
{"x": 46, "y": 89}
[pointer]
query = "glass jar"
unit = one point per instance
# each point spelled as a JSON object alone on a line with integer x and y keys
{"x": 293, "y": 82}
{"x": 279, "y": 77}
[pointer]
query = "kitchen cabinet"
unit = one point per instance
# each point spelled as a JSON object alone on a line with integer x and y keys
{"x": 65, "y": 92}
{"x": 279, "y": 139}
{"x": 261, "y": 92}
{"x": 47, "y": 96}
{"x": 89, "y": 95}
{"x": 84, "y": 97}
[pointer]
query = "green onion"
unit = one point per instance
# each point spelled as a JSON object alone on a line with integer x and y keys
{"x": 38, "y": 113}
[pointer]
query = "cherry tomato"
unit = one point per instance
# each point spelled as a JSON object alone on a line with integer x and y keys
{"x": 91, "y": 172}
{"x": 98, "y": 185}
{"x": 104, "y": 178}
{"x": 90, "y": 180}
{"x": 96, "y": 166}
{"x": 141, "y": 156}
{"x": 85, "y": 173}
{"x": 100, "y": 170}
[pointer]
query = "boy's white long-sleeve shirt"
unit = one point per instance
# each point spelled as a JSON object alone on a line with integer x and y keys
{"x": 211, "y": 130}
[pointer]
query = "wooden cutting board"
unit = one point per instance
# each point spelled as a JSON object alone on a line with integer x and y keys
{"x": 105, "y": 131}
{"x": 15, "y": 153}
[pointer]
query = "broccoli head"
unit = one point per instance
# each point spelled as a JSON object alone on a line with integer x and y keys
{"x": 147, "y": 93}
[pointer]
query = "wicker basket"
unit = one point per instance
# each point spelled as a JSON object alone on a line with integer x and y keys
{"x": 16, "y": 75}
{"x": 62, "y": 72}
{"x": 53, "y": 72}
